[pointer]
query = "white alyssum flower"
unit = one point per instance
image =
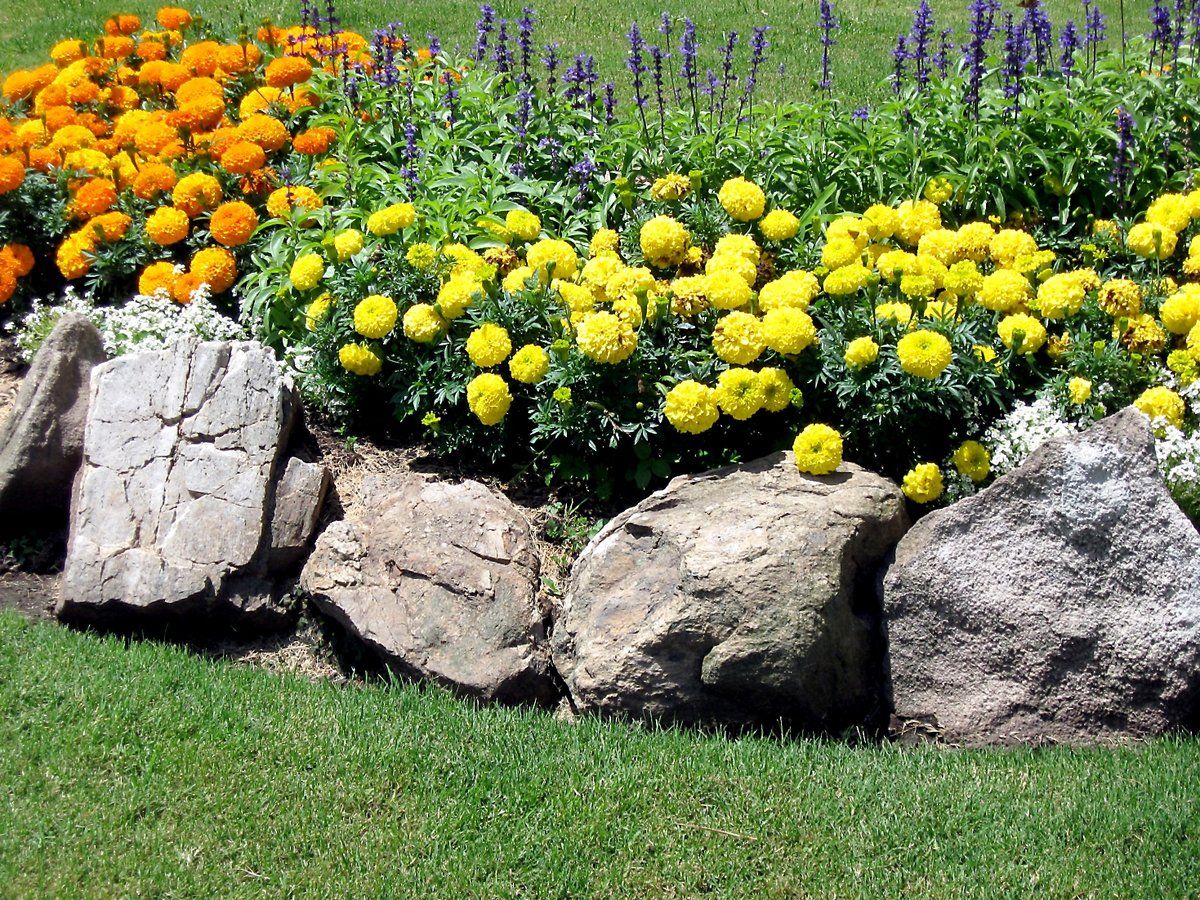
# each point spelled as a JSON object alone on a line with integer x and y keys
{"x": 1013, "y": 438}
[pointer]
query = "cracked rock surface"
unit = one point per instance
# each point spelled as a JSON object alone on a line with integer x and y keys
{"x": 174, "y": 504}
{"x": 1062, "y": 603}
{"x": 735, "y": 596}
{"x": 440, "y": 581}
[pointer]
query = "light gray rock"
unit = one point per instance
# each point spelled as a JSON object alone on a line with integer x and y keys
{"x": 440, "y": 580}
{"x": 1062, "y": 603}
{"x": 299, "y": 497}
{"x": 174, "y": 503}
{"x": 740, "y": 596}
{"x": 41, "y": 441}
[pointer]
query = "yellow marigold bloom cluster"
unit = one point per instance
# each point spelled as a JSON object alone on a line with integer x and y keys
{"x": 1009, "y": 244}
{"x": 861, "y": 352}
{"x": 938, "y": 190}
{"x": 489, "y": 345}
{"x": 1004, "y": 291}
{"x": 1079, "y": 390}
{"x": 423, "y": 323}
{"x": 1162, "y": 403}
{"x": 671, "y": 187}
{"x": 530, "y": 364}
{"x": 923, "y": 353}
{"x": 605, "y": 338}
{"x": 779, "y": 225}
{"x": 375, "y": 316}
{"x": 972, "y": 460}
{"x": 1151, "y": 241}
{"x": 1181, "y": 311}
{"x": 307, "y": 272}
{"x": 458, "y": 293}
{"x": 347, "y": 243}
{"x": 523, "y": 224}
{"x": 923, "y": 483}
{"x": 740, "y": 393}
{"x": 795, "y": 289}
{"x": 742, "y": 199}
{"x": 1061, "y": 295}
{"x": 1021, "y": 333}
{"x": 489, "y": 398}
{"x": 391, "y": 219}
{"x": 788, "y": 330}
{"x": 726, "y": 290}
{"x": 818, "y": 450}
{"x": 283, "y": 201}
{"x": 317, "y": 311}
{"x": 1120, "y": 298}
{"x": 605, "y": 240}
{"x": 552, "y": 257}
{"x": 167, "y": 225}
{"x": 847, "y": 280}
{"x": 420, "y": 256}
{"x": 664, "y": 242}
{"x": 738, "y": 338}
{"x": 360, "y": 359}
{"x": 915, "y": 219}
{"x": 691, "y": 407}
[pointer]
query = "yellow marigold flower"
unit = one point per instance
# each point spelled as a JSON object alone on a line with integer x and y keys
{"x": 923, "y": 353}
{"x": 1079, "y": 390}
{"x": 1004, "y": 291}
{"x": 818, "y": 450}
{"x": 1061, "y": 295}
{"x": 1021, "y": 333}
{"x": 900, "y": 313}
{"x": 577, "y": 297}
{"x": 420, "y": 256}
{"x": 739, "y": 392}
{"x": 1120, "y": 298}
{"x": 664, "y": 241}
{"x": 167, "y": 225}
{"x": 974, "y": 241}
{"x": 1183, "y": 364}
{"x": 726, "y": 290}
{"x": 307, "y": 272}
{"x": 670, "y": 187}
{"x": 317, "y": 311}
{"x": 779, "y": 225}
{"x": 1010, "y": 243}
{"x": 606, "y": 338}
{"x": 1162, "y": 403}
{"x": 738, "y": 245}
{"x": 941, "y": 243}
{"x": 423, "y": 324}
{"x": 1140, "y": 333}
{"x": 777, "y": 388}
{"x": 840, "y": 252}
{"x": 795, "y": 289}
{"x": 600, "y": 269}
{"x": 916, "y": 218}
{"x": 515, "y": 281}
{"x": 628, "y": 282}
{"x": 847, "y": 280}
{"x": 1151, "y": 241}
{"x": 743, "y": 200}
{"x": 489, "y": 398}
{"x": 918, "y": 286}
{"x": 347, "y": 243}
{"x": 375, "y": 316}
{"x": 734, "y": 263}
{"x": 553, "y": 257}
{"x": 1106, "y": 228}
{"x": 849, "y": 227}
{"x": 605, "y": 240}
{"x": 691, "y": 407}
{"x": 1181, "y": 311}
{"x": 391, "y": 219}
{"x": 860, "y": 352}
{"x": 788, "y": 330}
{"x": 530, "y": 364}
{"x": 738, "y": 338}
{"x": 880, "y": 221}
{"x": 938, "y": 190}
{"x": 359, "y": 359}
{"x": 523, "y": 224}
{"x": 893, "y": 264}
{"x": 457, "y": 294}
{"x": 923, "y": 483}
{"x": 465, "y": 261}
{"x": 1170, "y": 211}
{"x": 687, "y": 295}
{"x": 972, "y": 460}
{"x": 963, "y": 279}
{"x": 489, "y": 345}
{"x": 282, "y": 201}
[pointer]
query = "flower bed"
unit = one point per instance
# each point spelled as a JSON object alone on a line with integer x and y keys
{"x": 609, "y": 283}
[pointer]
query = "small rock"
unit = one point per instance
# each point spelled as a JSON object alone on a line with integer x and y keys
{"x": 41, "y": 441}
{"x": 1060, "y": 604}
{"x": 299, "y": 497}
{"x": 739, "y": 596}
{"x": 440, "y": 580}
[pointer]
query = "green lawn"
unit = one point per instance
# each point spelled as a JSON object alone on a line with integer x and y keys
{"x": 143, "y": 769}
{"x": 861, "y": 61}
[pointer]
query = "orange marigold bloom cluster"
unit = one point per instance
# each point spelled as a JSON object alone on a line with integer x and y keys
{"x": 155, "y": 277}
{"x": 287, "y": 71}
{"x": 12, "y": 174}
{"x": 93, "y": 198}
{"x": 315, "y": 141}
{"x": 167, "y": 225}
{"x": 174, "y": 18}
{"x": 242, "y": 158}
{"x": 216, "y": 267}
{"x": 268, "y": 132}
{"x": 196, "y": 193}
{"x": 232, "y": 223}
{"x": 154, "y": 179}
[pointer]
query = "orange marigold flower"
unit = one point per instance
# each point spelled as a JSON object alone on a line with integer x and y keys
{"x": 243, "y": 158}
{"x": 57, "y": 117}
{"x": 43, "y": 158}
{"x": 266, "y": 131}
{"x": 232, "y": 223}
{"x": 258, "y": 100}
{"x": 122, "y": 24}
{"x": 153, "y": 179}
{"x": 122, "y": 98}
{"x": 196, "y": 193}
{"x": 285, "y": 199}
{"x": 174, "y": 18}
{"x": 314, "y": 141}
{"x": 214, "y": 143}
{"x": 206, "y": 111}
{"x": 167, "y": 225}
{"x": 216, "y": 268}
{"x": 66, "y": 52}
{"x": 155, "y": 277}
{"x": 155, "y": 138}
{"x": 151, "y": 50}
{"x": 286, "y": 71}
{"x": 12, "y": 174}
{"x": 303, "y": 97}
{"x": 19, "y": 258}
{"x": 94, "y": 198}
{"x": 184, "y": 286}
{"x": 110, "y": 226}
{"x": 116, "y": 46}
{"x": 195, "y": 88}
{"x": 235, "y": 58}
{"x": 172, "y": 76}
{"x": 8, "y": 284}
{"x": 201, "y": 57}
